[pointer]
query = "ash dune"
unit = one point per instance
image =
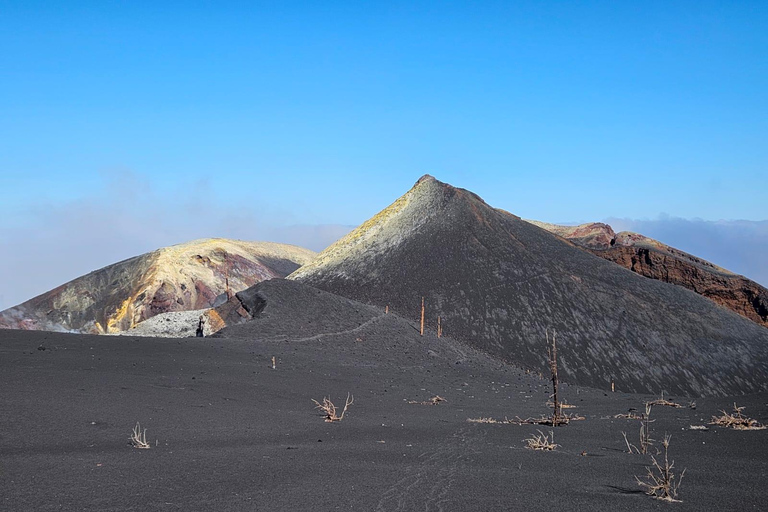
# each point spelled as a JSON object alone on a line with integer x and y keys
{"x": 656, "y": 260}
{"x": 498, "y": 282}
{"x": 189, "y": 276}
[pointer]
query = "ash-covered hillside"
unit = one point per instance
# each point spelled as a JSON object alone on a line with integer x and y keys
{"x": 191, "y": 276}
{"x": 498, "y": 282}
{"x": 657, "y": 260}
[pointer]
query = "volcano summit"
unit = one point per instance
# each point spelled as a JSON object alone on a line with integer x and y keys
{"x": 498, "y": 282}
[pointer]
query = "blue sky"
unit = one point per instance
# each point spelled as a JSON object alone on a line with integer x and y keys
{"x": 269, "y": 115}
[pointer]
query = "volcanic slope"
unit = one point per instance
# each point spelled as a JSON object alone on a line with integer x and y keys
{"x": 656, "y": 260}
{"x": 190, "y": 276}
{"x": 498, "y": 282}
{"x": 229, "y": 431}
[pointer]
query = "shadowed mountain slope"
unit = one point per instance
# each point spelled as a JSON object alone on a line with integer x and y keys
{"x": 654, "y": 259}
{"x": 291, "y": 309}
{"x": 498, "y": 282}
{"x": 189, "y": 276}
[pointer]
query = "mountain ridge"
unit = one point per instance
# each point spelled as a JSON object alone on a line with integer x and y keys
{"x": 188, "y": 276}
{"x": 498, "y": 283}
{"x": 657, "y": 260}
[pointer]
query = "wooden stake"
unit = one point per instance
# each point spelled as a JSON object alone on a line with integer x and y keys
{"x": 553, "y": 368}
{"x": 386, "y": 310}
{"x": 439, "y": 328}
{"x": 613, "y": 386}
{"x": 422, "y": 316}
{"x": 273, "y": 362}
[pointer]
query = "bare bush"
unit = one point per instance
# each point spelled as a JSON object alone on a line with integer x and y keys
{"x": 659, "y": 480}
{"x": 139, "y": 438}
{"x": 664, "y": 402}
{"x": 645, "y": 431}
{"x": 329, "y": 409}
{"x": 541, "y": 441}
{"x": 737, "y": 420}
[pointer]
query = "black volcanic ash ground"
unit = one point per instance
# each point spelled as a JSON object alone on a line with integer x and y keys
{"x": 229, "y": 433}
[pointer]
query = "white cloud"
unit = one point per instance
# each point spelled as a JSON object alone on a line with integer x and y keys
{"x": 52, "y": 243}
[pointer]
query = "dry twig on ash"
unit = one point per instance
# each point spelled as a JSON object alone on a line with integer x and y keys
{"x": 541, "y": 441}
{"x": 664, "y": 402}
{"x": 659, "y": 481}
{"x": 329, "y": 409}
{"x": 737, "y": 420}
{"x": 139, "y": 437}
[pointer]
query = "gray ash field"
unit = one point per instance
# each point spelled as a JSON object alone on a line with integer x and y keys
{"x": 227, "y": 432}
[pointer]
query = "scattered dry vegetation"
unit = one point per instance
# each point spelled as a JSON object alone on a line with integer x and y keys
{"x": 662, "y": 401}
{"x": 517, "y": 420}
{"x": 487, "y": 420}
{"x": 329, "y": 410}
{"x": 139, "y": 437}
{"x": 645, "y": 433}
{"x": 541, "y": 441}
{"x": 629, "y": 416}
{"x": 736, "y": 420}
{"x": 659, "y": 481}
{"x": 435, "y": 400}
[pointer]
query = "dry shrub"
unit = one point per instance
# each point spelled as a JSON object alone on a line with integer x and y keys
{"x": 139, "y": 437}
{"x": 736, "y": 420}
{"x": 329, "y": 409}
{"x": 541, "y": 441}
{"x": 664, "y": 402}
{"x": 645, "y": 432}
{"x": 659, "y": 481}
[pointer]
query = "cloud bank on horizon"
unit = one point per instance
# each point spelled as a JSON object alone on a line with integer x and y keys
{"x": 55, "y": 242}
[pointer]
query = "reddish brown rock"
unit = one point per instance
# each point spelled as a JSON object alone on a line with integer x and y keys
{"x": 653, "y": 259}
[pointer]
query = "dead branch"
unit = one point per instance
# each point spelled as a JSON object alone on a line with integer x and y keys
{"x": 737, "y": 420}
{"x": 659, "y": 481}
{"x": 552, "y": 352}
{"x": 662, "y": 401}
{"x": 139, "y": 438}
{"x": 329, "y": 409}
{"x": 541, "y": 441}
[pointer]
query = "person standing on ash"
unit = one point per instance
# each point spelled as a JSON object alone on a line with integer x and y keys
{"x": 200, "y": 325}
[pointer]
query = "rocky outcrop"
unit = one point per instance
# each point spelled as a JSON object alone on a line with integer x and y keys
{"x": 498, "y": 282}
{"x": 191, "y": 276}
{"x": 655, "y": 260}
